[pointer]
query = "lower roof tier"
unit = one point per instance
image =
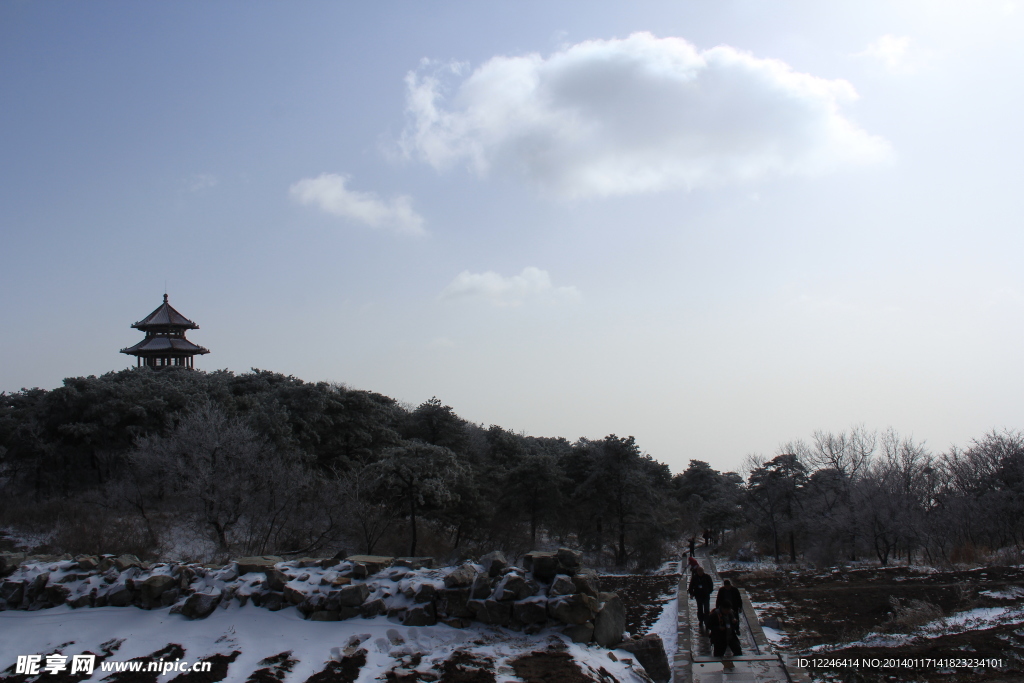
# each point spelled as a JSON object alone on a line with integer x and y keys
{"x": 165, "y": 346}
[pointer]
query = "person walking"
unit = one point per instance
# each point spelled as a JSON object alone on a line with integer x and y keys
{"x": 723, "y": 626}
{"x": 700, "y": 589}
{"x": 693, "y": 545}
{"x": 729, "y": 593}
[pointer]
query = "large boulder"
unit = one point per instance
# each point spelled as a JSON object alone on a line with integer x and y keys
{"x": 120, "y": 595}
{"x": 9, "y": 562}
{"x": 365, "y": 565}
{"x": 562, "y": 585}
{"x": 415, "y": 562}
{"x": 494, "y": 563}
{"x": 12, "y": 592}
{"x": 462, "y": 577}
{"x": 453, "y": 602}
{"x": 571, "y": 609}
{"x": 492, "y": 611}
{"x": 262, "y": 563}
{"x": 420, "y": 615}
{"x": 650, "y": 652}
{"x": 481, "y": 589}
{"x": 543, "y": 564}
{"x": 350, "y": 596}
{"x": 513, "y": 587}
{"x": 587, "y": 581}
{"x": 424, "y": 592}
{"x": 530, "y": 611}
{"x": 569, "y": 561}
{"x": 581, "y": 633}
{"x": 610, "y": 621}
{"x": 125, "y": 561}
{"x": 155, "y": 586}
{"x": 198, "y": 605}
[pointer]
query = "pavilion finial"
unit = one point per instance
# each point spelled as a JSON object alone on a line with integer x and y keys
{"x": 165, "y": 297}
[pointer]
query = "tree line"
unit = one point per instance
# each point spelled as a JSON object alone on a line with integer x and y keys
{"x": 206, "y": 465}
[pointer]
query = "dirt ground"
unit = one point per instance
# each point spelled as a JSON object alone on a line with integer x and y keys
{"x": 644, "y": 597}
{"x": 843, "y": 606}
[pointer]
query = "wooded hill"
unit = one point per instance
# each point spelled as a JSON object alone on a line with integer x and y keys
{"x": 204, "y": 465}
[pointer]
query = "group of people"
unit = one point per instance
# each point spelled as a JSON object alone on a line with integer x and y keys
{"x": 722, "y": 624}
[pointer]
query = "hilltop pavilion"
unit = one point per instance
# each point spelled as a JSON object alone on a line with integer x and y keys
{"x": 165, "y": 344}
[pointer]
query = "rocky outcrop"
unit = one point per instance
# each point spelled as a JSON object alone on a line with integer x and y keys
{"x": 650, "y": 652}
{"x": 552, "y": 589}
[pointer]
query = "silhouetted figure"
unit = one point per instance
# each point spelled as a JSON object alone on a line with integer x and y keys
{"x": 693, "y": 545}
{"x": 692, "y": 563}
{"x": 700, "y": 589}
{"x": 729, "y": 593}
{"x": 723, "y": 626}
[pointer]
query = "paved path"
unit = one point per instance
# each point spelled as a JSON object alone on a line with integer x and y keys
{"x": 695, "y": 663}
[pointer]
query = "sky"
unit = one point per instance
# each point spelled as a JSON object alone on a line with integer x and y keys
{"x": 714, "y": 226}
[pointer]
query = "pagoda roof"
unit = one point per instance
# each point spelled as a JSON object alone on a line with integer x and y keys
{"x": 165, "y": 316}
{"x": 162, "y": 346}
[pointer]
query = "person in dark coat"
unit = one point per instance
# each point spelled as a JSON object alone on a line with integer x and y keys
{"x": 692, "y": 563}
{"x": 729, "y": 593}
{"x": 693, "y": 545}
{"x": 722, "y": 626}
{"x": 700, "y": 589}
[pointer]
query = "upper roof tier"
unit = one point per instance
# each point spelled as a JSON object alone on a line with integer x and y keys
{"x": 165, "y": 317}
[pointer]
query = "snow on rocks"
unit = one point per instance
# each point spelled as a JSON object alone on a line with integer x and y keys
{"x": 553, "y": 590}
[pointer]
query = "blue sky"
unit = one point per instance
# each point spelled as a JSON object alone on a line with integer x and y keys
{"x": 714, "y": 226}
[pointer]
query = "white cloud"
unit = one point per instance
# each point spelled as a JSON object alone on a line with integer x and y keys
{"x": 531, "y": 284}
{"x": 328, "y": 192}
{"x": 896, "y": 54}
{"x": 641, "y": 114}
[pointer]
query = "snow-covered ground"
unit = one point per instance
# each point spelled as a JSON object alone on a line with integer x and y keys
{"x": 259, "y": 634}
{"x": 969, "y": 620}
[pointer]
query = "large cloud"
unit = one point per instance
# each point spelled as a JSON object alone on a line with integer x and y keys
{"x": 328, "y": 192}
{"x": 607, "y": 117}
{"x": 532, "y": 283}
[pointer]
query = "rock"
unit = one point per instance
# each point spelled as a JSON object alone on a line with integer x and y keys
{"x": 372, "y": 608}
{"x": 370, "y": 564}
{"x": 453, "y": 602}
{"x": 293, "y": 595}
{"x": 12, "y": 592}
{"x": 85, "y": 600}
{"x": 125, "y": 561}
{"x": 329, "y": 562}
{"x": 199, "y": 605}
{"x": 262, "y": 563}
{"x": 351, "y": 596}
{"x": 569, "y": 561}
{"x": 36, "y": 587}
{"x": 771, "y": 622}
{"x": 543, "y": 565}
{"x": 9, "y": 562}
{"x": 274, "y": 601}
{"x": 425, "y": 592}
{"x": 494, "y": 563}
{"x": 119, "y": 595}
{"x": 512, "y": 587}
{"x": 462, "y": 577}
{"x": 562, "y": 585}
{"x": 650, "y": 652}
{"x": 155, "y": 586}
{"x": 87, "y": 562}
{"x": 325, "y": 615}
{"x": 56, "y": 594}
{"x": 492, "y": 611}
{"x": 420, "y": 615}
{"x": 415, "y": 562}
{"x": 481, "y": 589}
{"x": 587, "y": 581}
{"x": 610, "y": 621}
{"x": 171, "y": 596}
{"x": 276, "y": 579}
{"x": 580, "y": 633}
{"x": 571, "y": 609}
{"x": 530, "y": 610}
